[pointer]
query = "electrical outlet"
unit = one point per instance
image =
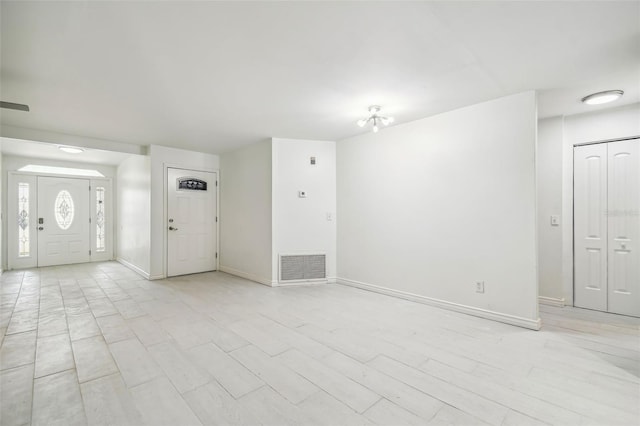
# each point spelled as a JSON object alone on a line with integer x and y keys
{"x": 479, "y": 286}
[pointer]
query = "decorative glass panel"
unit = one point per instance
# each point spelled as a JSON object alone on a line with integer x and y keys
{"x": 23, "y": 220}
{"x": 100, "y": 245}
{"x": 64, "y": 209}
{"x": 192, "y": 184}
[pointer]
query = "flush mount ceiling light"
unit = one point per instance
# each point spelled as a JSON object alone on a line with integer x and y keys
{"x": 71, "y": 149}
{"x": 374, "y": 110}
{"x": 602, "y": 97}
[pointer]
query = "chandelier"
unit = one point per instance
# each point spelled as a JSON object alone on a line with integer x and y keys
{"x": 374, "y": 110}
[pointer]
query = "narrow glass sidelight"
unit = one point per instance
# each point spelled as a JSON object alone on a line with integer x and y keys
{"x": 100, "y": 223}
{"x": 24, "y": 240}
{"x": 64, "y": 209}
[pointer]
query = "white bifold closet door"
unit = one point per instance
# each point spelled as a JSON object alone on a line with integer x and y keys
{"x": 607, "y": 227}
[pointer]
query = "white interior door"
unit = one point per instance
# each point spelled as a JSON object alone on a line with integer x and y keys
{"x": 590, "y": 226}
{"x": 63, "y": 221}
{"x": 624, "y": 227}
{"x": 191, "y": 215}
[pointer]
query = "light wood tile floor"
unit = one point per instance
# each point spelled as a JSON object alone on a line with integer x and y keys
{"x": 95, "y": 344}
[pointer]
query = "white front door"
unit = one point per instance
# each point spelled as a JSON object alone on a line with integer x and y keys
{"x": 63, "y": 221}
{"x": 607, "y": 227}
{"x": 191, "y": 226}
{"x": 624, "y": 227}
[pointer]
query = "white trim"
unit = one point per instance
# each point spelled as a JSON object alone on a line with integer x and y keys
{"x": 551, "y": 301}
{"x": 133, "y": 267}
{"x": 469, "y": 310}
{"x": 245, "y": 275}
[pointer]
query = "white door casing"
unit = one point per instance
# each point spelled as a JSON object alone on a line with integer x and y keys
{"x": 191, "y": 221}
{"x": 63, "y": 221}
{"x": 624, "y": 227}
{"x": 590, "y": 226}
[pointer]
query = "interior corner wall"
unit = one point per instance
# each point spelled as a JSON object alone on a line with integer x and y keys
{"x": 133, "y": 194}
{"x": 245, "y": 212}
{"x": 162, "y": 157}
{"x": 549, "y": 195}
{"x": 428, "y": 208}
{"x": 304, "y": 225}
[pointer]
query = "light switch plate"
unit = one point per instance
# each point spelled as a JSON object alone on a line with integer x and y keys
{"x": 555, "y": 220}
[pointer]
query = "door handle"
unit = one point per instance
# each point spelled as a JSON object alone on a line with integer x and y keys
{"x": 40, "y": 228}
{"x": 171, "y": 228}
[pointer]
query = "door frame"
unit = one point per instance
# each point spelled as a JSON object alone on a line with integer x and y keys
{"x": 165, "y": 212}
{"x": 13, "y": 261}
{"x": 570, "y": 282}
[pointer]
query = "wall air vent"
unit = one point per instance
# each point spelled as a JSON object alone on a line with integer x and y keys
{"x": 302, "y": 267}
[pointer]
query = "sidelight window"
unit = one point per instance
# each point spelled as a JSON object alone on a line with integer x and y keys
{"x": 24, "y": 249}
{"x": 100, "y": 224}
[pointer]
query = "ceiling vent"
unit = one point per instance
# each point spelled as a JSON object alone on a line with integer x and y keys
{"x": 303, "y": 268}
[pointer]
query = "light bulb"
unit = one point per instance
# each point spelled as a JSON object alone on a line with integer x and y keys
{"x": 362, "y": 122}
{"x": 386, "y": 120}
{"x": 375, "y": 128}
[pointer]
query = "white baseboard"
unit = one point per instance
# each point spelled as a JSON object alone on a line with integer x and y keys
{"x": 134, "y": 268}
{"x": 552, "y": 301}
{"x": 469, "y": 310}
{"x": 247, "y": 276}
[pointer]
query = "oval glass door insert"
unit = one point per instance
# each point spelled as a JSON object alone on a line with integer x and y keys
{"x": 64, "y": 209}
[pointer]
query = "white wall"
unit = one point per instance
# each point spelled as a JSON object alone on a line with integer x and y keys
{"x": 245, "y": 212}
{"x": 161, "y": 158}
{"x": 133, "y": 206}
{"x": 428, "y": 208}
{"x": 2, "y": 216}
{"x": 549, "y": 191}
{"x": 302, "y": 225}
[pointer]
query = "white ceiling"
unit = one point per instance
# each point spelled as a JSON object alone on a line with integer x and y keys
{"x": 31, "y": 149}
{"x": 211, "y": 76}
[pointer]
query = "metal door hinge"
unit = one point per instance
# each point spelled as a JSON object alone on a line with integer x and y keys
{"x": 216, "y": 183}
{"x": 216, "y": 255}
{"x": 216, "y": 218}
{"x": 89, "y": 252}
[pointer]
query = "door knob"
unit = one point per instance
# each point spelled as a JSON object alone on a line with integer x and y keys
{"x": 40, "y": 228}
{"x": 171, "y": 228}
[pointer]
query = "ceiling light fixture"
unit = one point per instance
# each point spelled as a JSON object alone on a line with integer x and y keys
{"x": 71, "y": 149}
{"x": 375, "y": 118}
{"x": 602, "y": 97}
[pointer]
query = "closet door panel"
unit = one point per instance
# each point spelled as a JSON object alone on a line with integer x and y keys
{"x": 623, "y": 219}
{"x": 590, "y": 226}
